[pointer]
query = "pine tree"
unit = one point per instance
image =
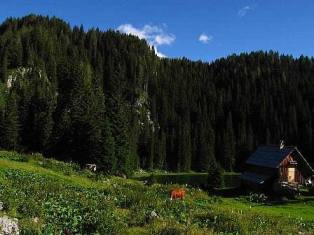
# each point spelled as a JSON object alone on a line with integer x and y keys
{"x": 4, "y": 67}
{"x": 122, "y": 147}
{"x": 206, "y": 149}
{"x": 186, "y": 144}
{"x": 214, "y": 176}
{"x": 86, "y": 111}
{"x": 118, "y": 111}
{"x": 42, "y": 106}
{"x": 10, "y": 125}
{"x": 108, "y": 162}
{"x": 228, "y": 148}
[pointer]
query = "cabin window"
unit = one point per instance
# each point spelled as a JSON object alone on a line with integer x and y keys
{"x": 291, "y": 174}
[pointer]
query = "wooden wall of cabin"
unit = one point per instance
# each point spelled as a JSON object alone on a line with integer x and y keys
{"x": 283, "y": 170}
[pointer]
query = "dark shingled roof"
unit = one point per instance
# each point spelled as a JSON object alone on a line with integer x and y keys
{"x": 269, "y": 156}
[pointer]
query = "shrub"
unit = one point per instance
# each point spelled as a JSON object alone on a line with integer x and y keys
{"x": 257, "y": 197}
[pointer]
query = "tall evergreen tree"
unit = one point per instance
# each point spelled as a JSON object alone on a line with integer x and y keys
{"x": 108, "y": 161}
{"x": 4, "y": 67}
{"x": 42, "y": 106}
{"x": 228, "y": 148}
{"x": 10, "y": 125}
{"x": 206, "y": 147}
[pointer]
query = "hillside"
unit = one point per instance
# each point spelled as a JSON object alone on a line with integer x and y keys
{"x": 52, "y": 197}
{"x": 106, "y": 98}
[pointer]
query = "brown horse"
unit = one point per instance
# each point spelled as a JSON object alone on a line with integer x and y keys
{"x": 177, "y": 194}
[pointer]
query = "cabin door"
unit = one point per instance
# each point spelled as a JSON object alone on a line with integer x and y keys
{"x": 291, "y": 174}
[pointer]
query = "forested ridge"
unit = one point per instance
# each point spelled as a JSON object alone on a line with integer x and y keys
{"x": 106, "y": 98}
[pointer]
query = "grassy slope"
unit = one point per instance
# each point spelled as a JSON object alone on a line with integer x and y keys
{"x": 131, "y": 203}
{"x": 34, "y": 168}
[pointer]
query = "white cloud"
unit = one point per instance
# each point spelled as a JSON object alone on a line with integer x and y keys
{"x": 164, "y": 39}
{"x": 203, "y": 38}
{"x": 129, "y": 29}
{"x": 159, "y": 54}
{"x": 154, "y": 35}
{"x": 244, "y": 10}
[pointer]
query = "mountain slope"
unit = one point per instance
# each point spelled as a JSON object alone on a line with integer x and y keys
{"x": 106, "y": 98}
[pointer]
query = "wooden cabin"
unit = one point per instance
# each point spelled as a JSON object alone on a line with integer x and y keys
{"x": 273, "y": 164}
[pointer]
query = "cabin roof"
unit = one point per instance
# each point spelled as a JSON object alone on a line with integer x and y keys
{"x": 269, "y": 156}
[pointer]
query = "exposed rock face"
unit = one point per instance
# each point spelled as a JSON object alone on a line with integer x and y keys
{"x": 20, "y": 72}
{"x": 9, "y": 226}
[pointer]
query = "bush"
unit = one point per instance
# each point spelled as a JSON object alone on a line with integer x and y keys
{"x": 257, "y": 197}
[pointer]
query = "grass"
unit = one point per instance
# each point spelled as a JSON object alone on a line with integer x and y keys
{"x": 66, "y": 199}
{"x": 301, "y": 208}
{"x": 29, "y": 167}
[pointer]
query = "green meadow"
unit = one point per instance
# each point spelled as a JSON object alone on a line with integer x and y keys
{"x": 52, "y": 197}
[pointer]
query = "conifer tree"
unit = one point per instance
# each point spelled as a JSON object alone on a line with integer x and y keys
{"x": 228, "y": 148}
{"x": 214, "y": 176}
{"x": 4, "y": 67}
{"x": 10, "y": 125}
{"x": 205, "y": 149}
{"x": 108, "y": 161}
{"x": 42, "y": 106}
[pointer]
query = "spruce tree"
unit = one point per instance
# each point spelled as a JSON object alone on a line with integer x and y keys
{"x": 10, "y": 125}
{"x": 206, "y": 147}
{"x": 4, "y": 67}
{"x": 108, "y": 161}
{"x": 42, "y": 106}
{"x": 214, "y": 176}
{"x": 228, "y": 148}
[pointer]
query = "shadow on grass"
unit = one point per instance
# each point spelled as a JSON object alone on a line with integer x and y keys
{"x": 230, "y": 192}
{"x": 283, "y": 200}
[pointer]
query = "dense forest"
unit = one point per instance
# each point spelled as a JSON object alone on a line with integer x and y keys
{"x": 106, "y": 98}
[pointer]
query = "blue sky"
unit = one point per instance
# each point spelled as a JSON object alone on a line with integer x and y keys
{"x": 196, "y": 29}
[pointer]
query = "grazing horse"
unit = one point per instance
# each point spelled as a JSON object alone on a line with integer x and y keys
{"x": 177, "y": 194}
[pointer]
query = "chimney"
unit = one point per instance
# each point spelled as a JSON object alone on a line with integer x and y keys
{"x": 282, "y": 144}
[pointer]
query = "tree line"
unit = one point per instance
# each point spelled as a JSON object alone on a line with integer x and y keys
{"x": 106, "y": 98}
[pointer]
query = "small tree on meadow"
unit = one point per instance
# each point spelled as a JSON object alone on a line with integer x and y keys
{"x": 214, "y": 176}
